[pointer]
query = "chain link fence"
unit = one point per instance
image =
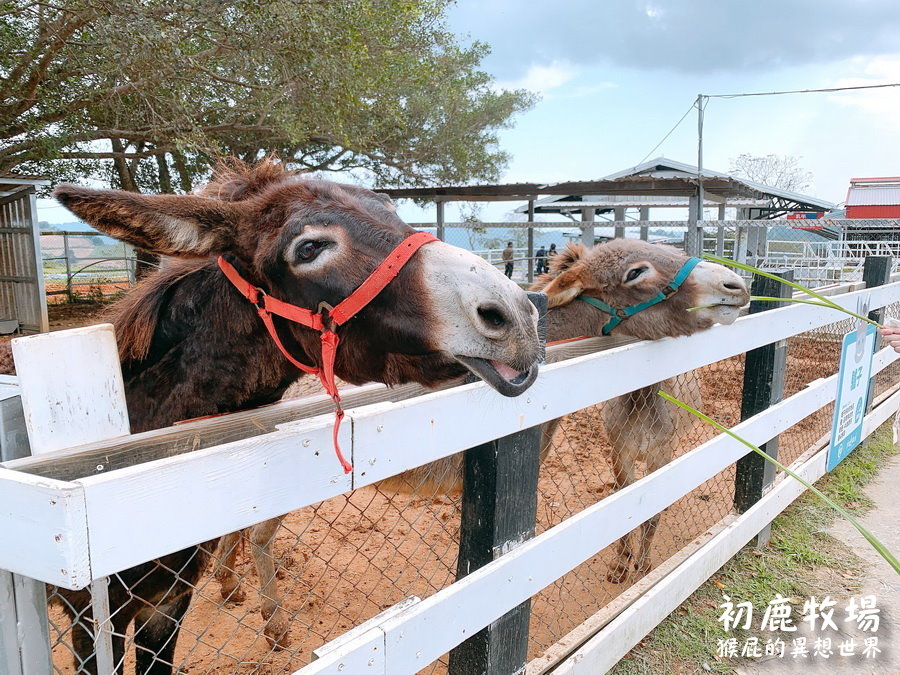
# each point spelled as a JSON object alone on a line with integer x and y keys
{"x": 90, "y": 265}
{"x": 85, "y": 266}
{"x": 261, "y": 601}
{"x": 821, "y": 252}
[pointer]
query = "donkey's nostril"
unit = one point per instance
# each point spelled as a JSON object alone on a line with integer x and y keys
{"x": 733, "y": 286}
{"x": 492, "y": 316}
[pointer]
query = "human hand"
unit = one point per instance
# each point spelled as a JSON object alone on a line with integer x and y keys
{"x": 891, "y": 333}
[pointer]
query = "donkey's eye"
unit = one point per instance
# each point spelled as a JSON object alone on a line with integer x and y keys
{"x": 308, "y": 250}
{"x": 634, "y": 273}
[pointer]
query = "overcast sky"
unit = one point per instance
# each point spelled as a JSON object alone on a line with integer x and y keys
{"x": 614, "y": 76}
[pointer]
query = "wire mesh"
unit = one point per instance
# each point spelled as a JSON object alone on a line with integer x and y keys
{"x": 260, "y": 601}
{"x": 820, "y": 252}
{"x": 85, "y": 265}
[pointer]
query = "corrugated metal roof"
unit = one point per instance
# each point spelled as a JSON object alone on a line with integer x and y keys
{"x": 670, "y": 170}
{"x": 874, "y": 195}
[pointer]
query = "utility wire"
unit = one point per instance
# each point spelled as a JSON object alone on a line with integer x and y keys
{"x": 671, "y": 131}
{"x": 802, "y": 91}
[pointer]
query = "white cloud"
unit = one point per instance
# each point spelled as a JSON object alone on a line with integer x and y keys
{"x": 542, "y": 78}
{"x": 653, "y": 11}
{"x": 880, "y": 106}
{"x": 591, "y": 89}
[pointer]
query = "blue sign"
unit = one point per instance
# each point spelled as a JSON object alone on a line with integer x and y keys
{"x": 852, "y": 394}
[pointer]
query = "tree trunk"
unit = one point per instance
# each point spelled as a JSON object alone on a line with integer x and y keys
{"x": 146, "y": 261}
{"x": 165, "y": 178}
{"x": 184, "y": 176}
{"x": 126, "y": 177}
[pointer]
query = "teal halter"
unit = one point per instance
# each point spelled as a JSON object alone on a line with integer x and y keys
{"x": 617, "y": 316}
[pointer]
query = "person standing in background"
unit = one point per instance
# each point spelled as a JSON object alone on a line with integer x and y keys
{"x": 508, "y": 259}
{"x": 540, "y": 262}
{"x": 552, "y": 252}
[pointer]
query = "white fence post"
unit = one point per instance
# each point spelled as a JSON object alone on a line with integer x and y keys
{"x": 73, "y": 393}
{"x": 24, "y": 624}
{"x": 72, "y": 388}
{"x": 9, "y": 640}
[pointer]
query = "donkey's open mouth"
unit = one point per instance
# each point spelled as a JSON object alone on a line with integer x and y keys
{"x": 500, "y": 376}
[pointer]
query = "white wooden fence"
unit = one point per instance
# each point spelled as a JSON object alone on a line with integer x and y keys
{"x": 71, "y": 533}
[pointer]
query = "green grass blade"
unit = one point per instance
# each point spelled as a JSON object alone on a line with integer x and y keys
{"x": 882, "y": 550}
{"x": 766, "y": 298}
{"x": 815, "y": 303}
{"x": 823, "y": 301}
{"x": 769, "y": 275}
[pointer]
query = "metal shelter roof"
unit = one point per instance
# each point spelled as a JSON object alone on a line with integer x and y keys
{"x": 638, "y": 185}
{"x": 719, "y": 188}
{"x": 10, "y": 184}
{"x": 659, "y": 183}
{"x": 874, "y": 192}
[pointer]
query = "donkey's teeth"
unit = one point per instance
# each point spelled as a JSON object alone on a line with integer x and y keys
{"x": 506, "y": 372}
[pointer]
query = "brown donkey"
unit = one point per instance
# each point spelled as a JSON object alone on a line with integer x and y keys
{"x": 641, "y": 426}
{"x": 191, "y": 345}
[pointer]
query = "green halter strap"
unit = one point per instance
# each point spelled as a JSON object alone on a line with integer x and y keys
{"x": 617, "y": 316}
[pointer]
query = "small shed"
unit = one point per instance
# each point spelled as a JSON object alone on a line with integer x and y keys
{"x": 23, "y": 302}
{"x": 874, "y": 198}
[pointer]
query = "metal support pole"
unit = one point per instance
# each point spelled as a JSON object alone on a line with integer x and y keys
{"x": 587, "y": 231}
{"x": 692, "y": 242}
{"x": 720, "y": 232}
{"x": 102, "y": 626}
{"x": 440, "y": 220}
{"x": 620, "y": 222}
{"x": 764, "y": 369}
{"x": 644, "y": 218}
{"x": 67, "y": 254}
{"x": 693, "y": 239}
{"x": 530, "y": 264}
{"x": 498, "y": 514}
{"x": 876, "y": 272}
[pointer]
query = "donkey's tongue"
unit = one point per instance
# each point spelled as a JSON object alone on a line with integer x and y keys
{"x": 508, "y": 373}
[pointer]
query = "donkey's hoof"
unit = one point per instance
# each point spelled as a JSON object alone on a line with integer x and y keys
{"x": 278, "y": 634}
{"x": 643, "y": 567}
{"x": 617, "y": 574}
{"x": 233, "y": 593}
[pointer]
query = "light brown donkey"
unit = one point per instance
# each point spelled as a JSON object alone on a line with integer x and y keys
{"x": 641, "y": 426}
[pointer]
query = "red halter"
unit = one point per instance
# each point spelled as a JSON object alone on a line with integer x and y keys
{"x": 327, "y": 318}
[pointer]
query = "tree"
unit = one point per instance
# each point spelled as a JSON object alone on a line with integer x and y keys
{"x": 143, "y": 94}
{"x": 776, "y": 171}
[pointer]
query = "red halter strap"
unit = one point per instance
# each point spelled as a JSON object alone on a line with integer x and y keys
{"x": 327, "y": 318}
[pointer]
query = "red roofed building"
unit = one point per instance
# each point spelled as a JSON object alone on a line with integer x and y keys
{"x": 874, "y": 198}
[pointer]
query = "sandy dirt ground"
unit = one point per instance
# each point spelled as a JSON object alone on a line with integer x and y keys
{"x": 344, "y": 560}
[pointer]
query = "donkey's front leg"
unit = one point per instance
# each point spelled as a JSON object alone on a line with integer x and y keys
{"x": 262, "y": 541}
{"x": 156, "y": 632}
{"x": 623, "y": 473}
{"x": 643, "y": 563}
{"x": 225, "y": 573}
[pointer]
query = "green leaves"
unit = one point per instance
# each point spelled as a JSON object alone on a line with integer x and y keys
{"x": 382, "y": 87}
{"x": 822, "y": 301}
{"x": 882, "y": 550}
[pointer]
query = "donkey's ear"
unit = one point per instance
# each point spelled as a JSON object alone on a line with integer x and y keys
{"x": 565, "y": 287}
{"x": 571, "y": 254}
{"x": 183, "y": 226}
